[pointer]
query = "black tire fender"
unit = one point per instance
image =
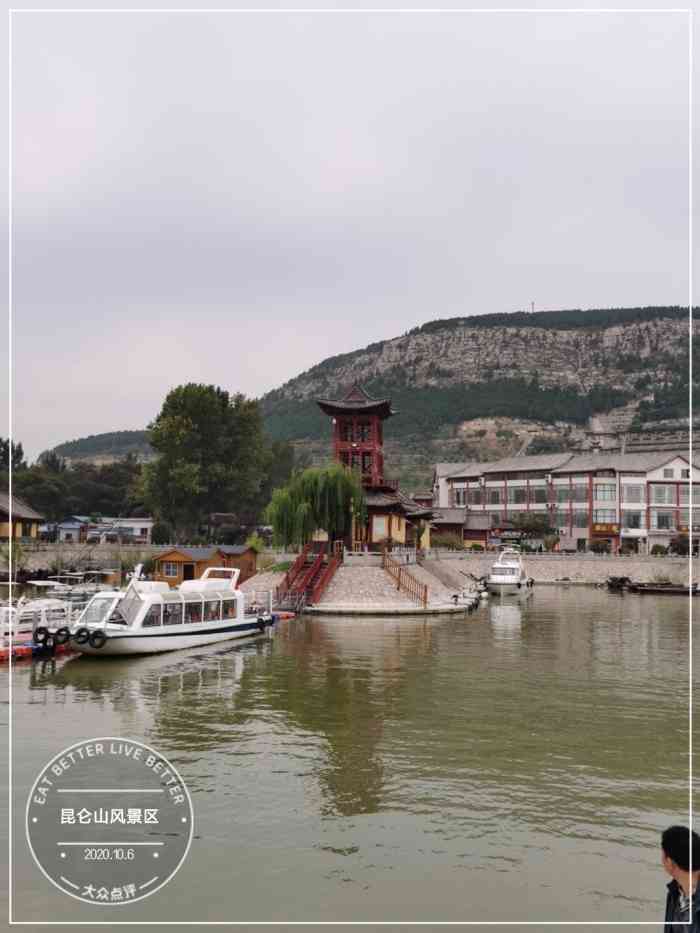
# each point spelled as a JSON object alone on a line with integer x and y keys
{"x": 62, "y": 636}
{"x": 98, "y": 639}
{"x": 82, "y": 636}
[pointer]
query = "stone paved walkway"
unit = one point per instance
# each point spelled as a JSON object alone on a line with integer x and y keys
{"x": 363, "y": 586}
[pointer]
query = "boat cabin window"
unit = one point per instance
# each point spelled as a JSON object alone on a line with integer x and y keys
{"x": 506, "y": 571}
{"x": 193, "y": 612}
{"x": 212, "y": 610}
{"x": 98, "y": 610}
{"x": 172, "y": 614}
{"x": 127, "y": 608}
{"x": 152, "y": 617}
{"x": 229, "y": 609}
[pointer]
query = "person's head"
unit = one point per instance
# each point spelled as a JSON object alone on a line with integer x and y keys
{"x": 676, "y": 851}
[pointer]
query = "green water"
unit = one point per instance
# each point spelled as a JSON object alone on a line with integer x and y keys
{"x": 516, "y": 764}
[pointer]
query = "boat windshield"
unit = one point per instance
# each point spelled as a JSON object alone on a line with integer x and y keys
{"x": 98, "y": 610}
{"x": 127, "y": 608}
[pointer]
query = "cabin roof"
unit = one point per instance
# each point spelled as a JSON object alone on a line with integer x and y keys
{"x": 204, "y": 553}
{"x": 20, "y": 508}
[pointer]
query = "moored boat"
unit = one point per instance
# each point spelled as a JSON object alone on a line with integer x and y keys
{"x": 149, "y": 617}
{"x": 665, "y": 589}
{"x": 508, "y": 575}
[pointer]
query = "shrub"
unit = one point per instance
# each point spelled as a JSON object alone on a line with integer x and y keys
{"x": 599, "y": 547}
{"x": 476, "y": 547}
{"x": 550, "y": 542}
{"x": 255, "y": 542}
{"x": 449, "y": 540}
{"x": 658, "y": 550}
{"x": 282, "y": 567}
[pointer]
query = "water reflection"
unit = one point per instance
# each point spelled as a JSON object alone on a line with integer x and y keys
{"x": 563, "y": 710}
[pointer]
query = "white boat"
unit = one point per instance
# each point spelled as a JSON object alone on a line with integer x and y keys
{"x": 23, "y": 617}
{"x": 508, "y": 574}
{"x": 149, "y": 617}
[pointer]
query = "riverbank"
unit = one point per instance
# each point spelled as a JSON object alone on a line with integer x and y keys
{"x": 565, "y": 568}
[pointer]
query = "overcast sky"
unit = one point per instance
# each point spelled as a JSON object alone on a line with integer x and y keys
{"x": 232, "y": 198}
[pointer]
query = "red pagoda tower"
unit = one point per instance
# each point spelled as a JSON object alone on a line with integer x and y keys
{"x": 358, "y": 443}
{"x": 358, "y": 434}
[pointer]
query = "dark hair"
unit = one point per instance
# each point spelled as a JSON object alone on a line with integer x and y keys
{"x": 675, "y": 841}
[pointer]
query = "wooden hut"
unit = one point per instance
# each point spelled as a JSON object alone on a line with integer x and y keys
{"x": 189, "y": 563}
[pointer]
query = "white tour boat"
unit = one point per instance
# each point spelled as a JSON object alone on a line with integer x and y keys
{"x": 508, "y": 574}
{"x": 149, "y": 617}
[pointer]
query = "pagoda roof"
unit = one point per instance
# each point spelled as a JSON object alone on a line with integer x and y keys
{"x": 357, "y": 399}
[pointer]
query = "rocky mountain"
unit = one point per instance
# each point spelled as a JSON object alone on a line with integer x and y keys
{"x": 497, "y": 384}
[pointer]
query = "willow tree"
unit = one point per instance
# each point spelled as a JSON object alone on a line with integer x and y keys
{"x": 315, "y": 499}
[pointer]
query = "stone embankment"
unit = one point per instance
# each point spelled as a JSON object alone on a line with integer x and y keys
{"x": 568, "y": 568}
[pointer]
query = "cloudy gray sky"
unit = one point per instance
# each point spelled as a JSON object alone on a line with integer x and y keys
{"x": 232, "y": 198}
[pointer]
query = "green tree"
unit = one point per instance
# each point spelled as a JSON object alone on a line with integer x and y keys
{"x": 532, "y": 524}
{"x": 211, "y": 453}
{"x": 11, "y": 455}
{"x": 317, "y": 498}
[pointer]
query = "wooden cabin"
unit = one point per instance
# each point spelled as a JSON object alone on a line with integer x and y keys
{"x": 189, "y": 563}
{"x": 25, "y": 521}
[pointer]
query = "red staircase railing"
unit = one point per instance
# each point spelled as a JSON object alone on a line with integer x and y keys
{"x": 293, "y": 571}
{"x": 302, "y": 583}
{"x": 324, "y": 579}
{"x": 404, "y": 581}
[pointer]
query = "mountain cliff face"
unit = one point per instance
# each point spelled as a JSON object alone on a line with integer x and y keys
{"x": 459, "y": 353}
{"x": 481, "y": 387}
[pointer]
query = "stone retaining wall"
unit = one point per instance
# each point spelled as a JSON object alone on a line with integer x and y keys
{"x": 583, "y": 569}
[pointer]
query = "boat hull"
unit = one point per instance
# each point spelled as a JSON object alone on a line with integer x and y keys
{"x": 134, "y": 644}
{"x": 512, "y": 588}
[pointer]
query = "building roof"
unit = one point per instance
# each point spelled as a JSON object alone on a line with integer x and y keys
{"x": 477, "y": 521}
{"x": 398, "y": 500}
{"x": 441, "y": 470}
{"x": 545, "y": 462}
{"x": 449, "y": 516}
{"x": 20, "y": 508}
{"x": 473, "y": 468}
{"x": 357, "y": 399}
{"x": 633, "y": 462}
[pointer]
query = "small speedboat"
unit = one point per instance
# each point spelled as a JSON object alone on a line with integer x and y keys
{"x": 21, "y": 619}
{"x": 149, "y": 617}
{"x": 508, "y": 575}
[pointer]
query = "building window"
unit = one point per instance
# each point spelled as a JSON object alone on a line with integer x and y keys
{"x": 561, "y": 520}
{"x": 495, "y": 519}
{"x": 538, "y": 493}
{"x": 633, "y": 519}
{"x": 144, "y": 532}
{"x": 494, "y": 496}
{"x": 460, "y": 497}
{"x": 663, "y": 495}
{"x": 517, "y": 495}
{"x": 632, "y": 493}
{"x": 604, "y": 517}
{"x": 685, "y": 474}
{"x": 26, "y": 529}
{"x": 580, "y": 519}
{"x": 474, "y": 497}
{"x": 170, "y": 568}
{"x": 605, "y": 492}
{"x": 563, "y": 493}
{"x": 663, "y": 521}
{"x": 379, "y": 527}
{"x": 668, "y": 473}
{"x": 580, "y": 493}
